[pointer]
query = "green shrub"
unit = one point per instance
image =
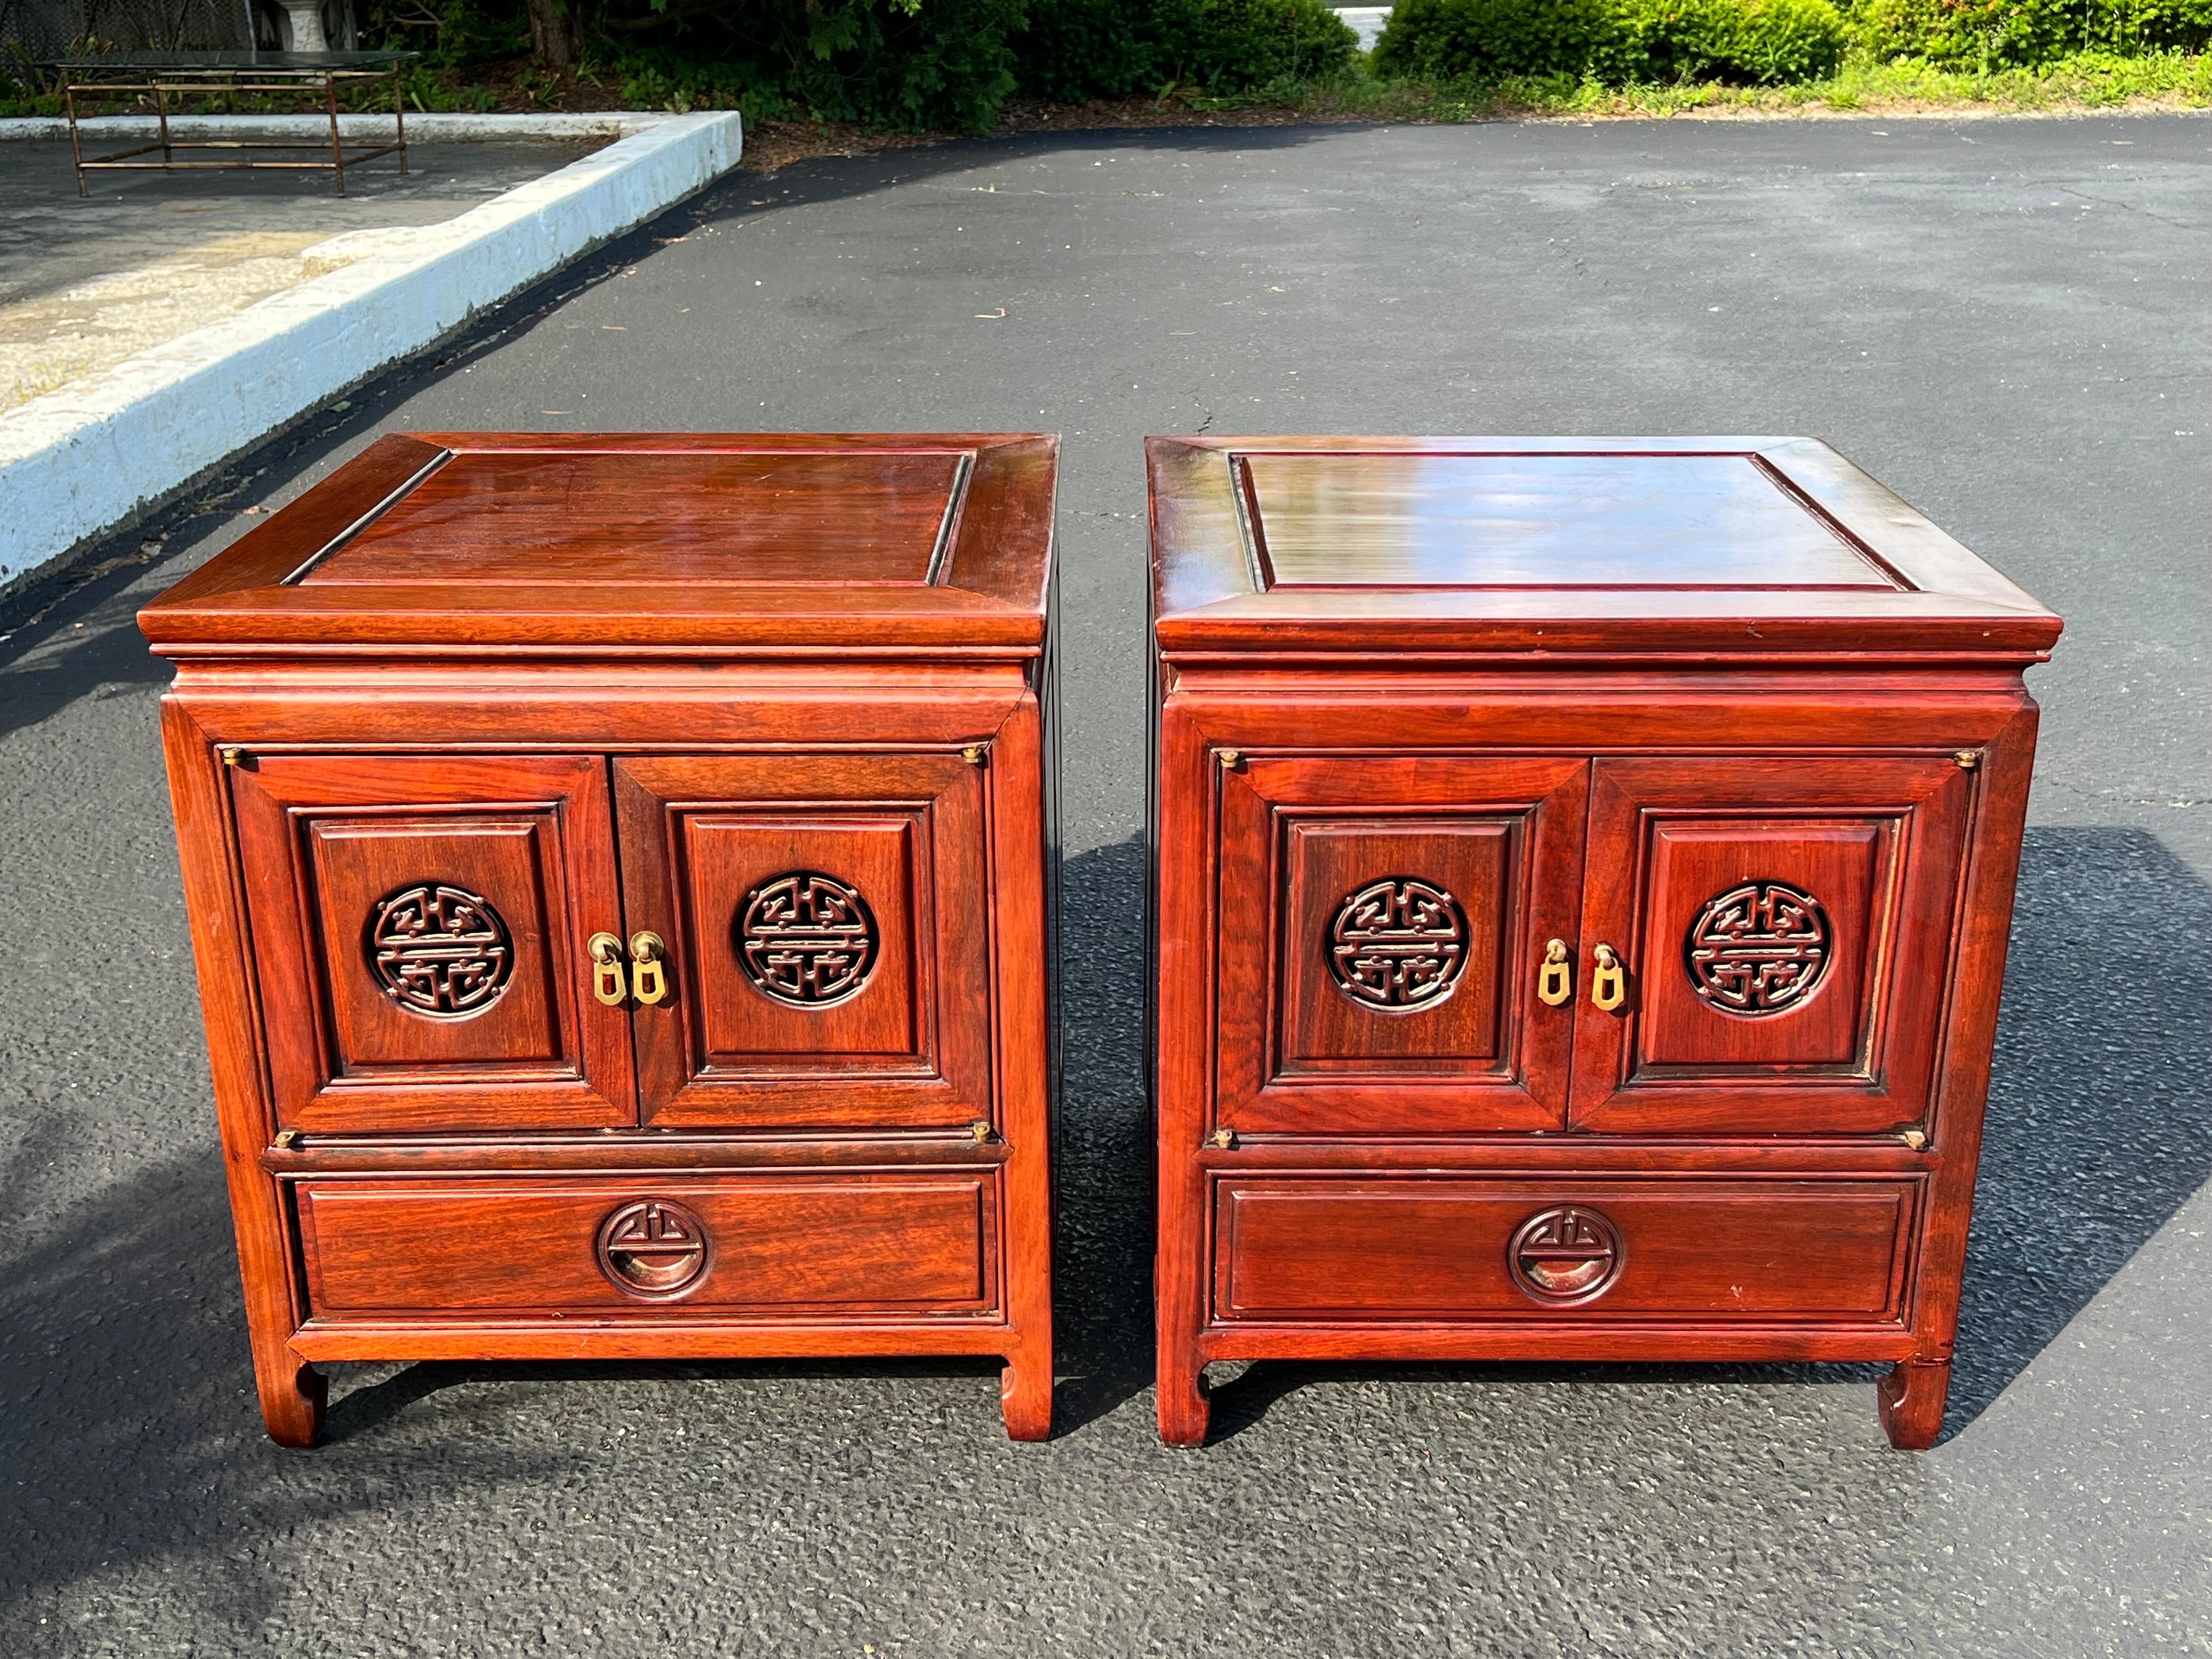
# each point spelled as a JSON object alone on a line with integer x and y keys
{"x": 1076, "y": 49}
{"x": 1229, "y": 45}
{"x": 2022, "y": 34}
{"x": 1616, "y": 41}
{"x": 1489, "y": 39}
{"x": 888, "y": 63}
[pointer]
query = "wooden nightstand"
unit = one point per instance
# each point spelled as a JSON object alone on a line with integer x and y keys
{"x": 1583, "y": 869}
{"x": 621, "y": 872}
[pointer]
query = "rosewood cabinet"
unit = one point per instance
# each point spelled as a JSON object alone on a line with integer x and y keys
{"x": 621, "y": 873}
{"x": 1583, "y": 869}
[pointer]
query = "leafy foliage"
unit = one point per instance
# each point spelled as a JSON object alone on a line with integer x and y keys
{"x": 911, "y": 64}
{"x": 1986, "y": 34}
{"x": 1076, "y": 49}
{"x": 1615, "y": 42}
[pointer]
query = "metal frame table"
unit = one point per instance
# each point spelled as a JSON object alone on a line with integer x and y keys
{"x": 169, "y": 75}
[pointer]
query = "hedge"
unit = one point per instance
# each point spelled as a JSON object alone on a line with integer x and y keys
{"x": 1615, "y": 42}
{"x": 1076, "y": 49}
{"x": 2024, "y": 33}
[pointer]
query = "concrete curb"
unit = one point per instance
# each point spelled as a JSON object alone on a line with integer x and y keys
{"x": 84, "y": 459}
{"x": 420, "y": 129}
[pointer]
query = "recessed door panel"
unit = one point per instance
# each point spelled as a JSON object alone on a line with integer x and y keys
{"x": 1408, "y": 966}
{"x": 1383, "y": 921}
{"x": 447, "y": 918}
{"x": 419, "y": 936}
{"x": 827, "y": 926}
{"x": 1785, "y": 927}
{"x": 1762, "y": 970}
{"x": 809, "y": 966}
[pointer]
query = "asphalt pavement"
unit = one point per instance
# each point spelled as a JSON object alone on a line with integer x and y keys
{"x": 2005, "y": 321}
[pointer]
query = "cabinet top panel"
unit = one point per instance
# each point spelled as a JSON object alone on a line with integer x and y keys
{"x": 552, "y": 542}
{"x": 1754, "y": 545}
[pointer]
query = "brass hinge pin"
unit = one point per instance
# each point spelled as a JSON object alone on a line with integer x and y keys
{"x": 1225, "y": 1139}
{"x": 974, "y": 753}
{"x": 1914, "y": 1138}
{"x": 1230, "y": 759}
{"x": 230, "y": 753}
{"x": 286, "y": 1139}
{"x": 981, "y": 1130}
{"x": 1968, "y": 759}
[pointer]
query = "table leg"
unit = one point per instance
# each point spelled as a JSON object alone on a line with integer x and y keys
{"x": 399, "y": 118}
{"x": 338, "y": 149}
{"x": 76, "y": 150}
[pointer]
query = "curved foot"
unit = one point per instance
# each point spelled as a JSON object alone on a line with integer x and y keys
{"x": 1185, "y": 1411}
{"x": 291, "y": 1405}
{"x": 1912, "y": 1398}
{"x": 1025, "y": 1398}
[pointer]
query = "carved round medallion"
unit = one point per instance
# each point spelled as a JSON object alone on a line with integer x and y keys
{"x": 1566, "y": 1255}
{"x": 1397, "y": 945}
{"x": 806, "y": 938}
{"x": 653, "y": 1250}
{"x": 440, "y": 952}
{"x": 1758, "y": 949}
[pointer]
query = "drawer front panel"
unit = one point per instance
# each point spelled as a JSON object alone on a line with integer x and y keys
{"x": 773, "y": 1246}
{"x": 1325, "y": 1249}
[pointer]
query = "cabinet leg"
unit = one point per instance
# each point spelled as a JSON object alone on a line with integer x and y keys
{"x": 292, "y": 1394}
{"x": 1912, "y": 1398}
{"x": 1026, "y": 1398}
{"x": 1185, "y": 1412}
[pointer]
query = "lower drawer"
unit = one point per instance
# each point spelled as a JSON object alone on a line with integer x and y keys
{"x": 1419, "y": 1248}
{"x": 774, "y": 1246}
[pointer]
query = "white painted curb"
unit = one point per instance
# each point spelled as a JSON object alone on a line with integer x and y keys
{"x": 85, "y": 458}
{"x": 420, "y": 129}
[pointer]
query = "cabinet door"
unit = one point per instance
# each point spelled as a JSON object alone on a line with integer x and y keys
{"x": 419, "y": 929}
{"x": 828, "y": 926}
{"x": 1786, "y": 926}
{"x": 1380, "y": 924}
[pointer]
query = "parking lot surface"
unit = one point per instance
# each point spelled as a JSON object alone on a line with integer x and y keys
{"x": 2006, "y": 321}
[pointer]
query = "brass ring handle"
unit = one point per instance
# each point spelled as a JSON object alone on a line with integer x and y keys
{"x": 608, "y": 984}
{"x": 648, "y": 980}
{"x": 1609, "y": 984}
{"x": 1555, "y": 979}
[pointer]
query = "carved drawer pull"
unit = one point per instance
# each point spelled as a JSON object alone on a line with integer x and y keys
{"x": 1555, "y": 980}
{"x": 608, "y": 984}
{"x": 648, "y": 980}
{"x": 1609, "y": 984}
{"x": 1566, "y": 1256}
{"x": 653, "y": 1250}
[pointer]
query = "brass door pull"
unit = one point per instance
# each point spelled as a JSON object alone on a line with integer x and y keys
{"x": 608, "y": 984}
{"x": 648, "y": 980}
{"x": 1555, "y": 979}
{"x": 1609, "y": 984}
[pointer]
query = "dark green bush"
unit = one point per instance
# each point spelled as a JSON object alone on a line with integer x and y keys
{"x": 1616, "y": 41}
{"x": 1443, "y": 39}
{"x": 1076, "y": 49}
{"x": 1229, "y": 46}
{"x": 890, "y": 63}
{"x": 2021, "y": 33}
